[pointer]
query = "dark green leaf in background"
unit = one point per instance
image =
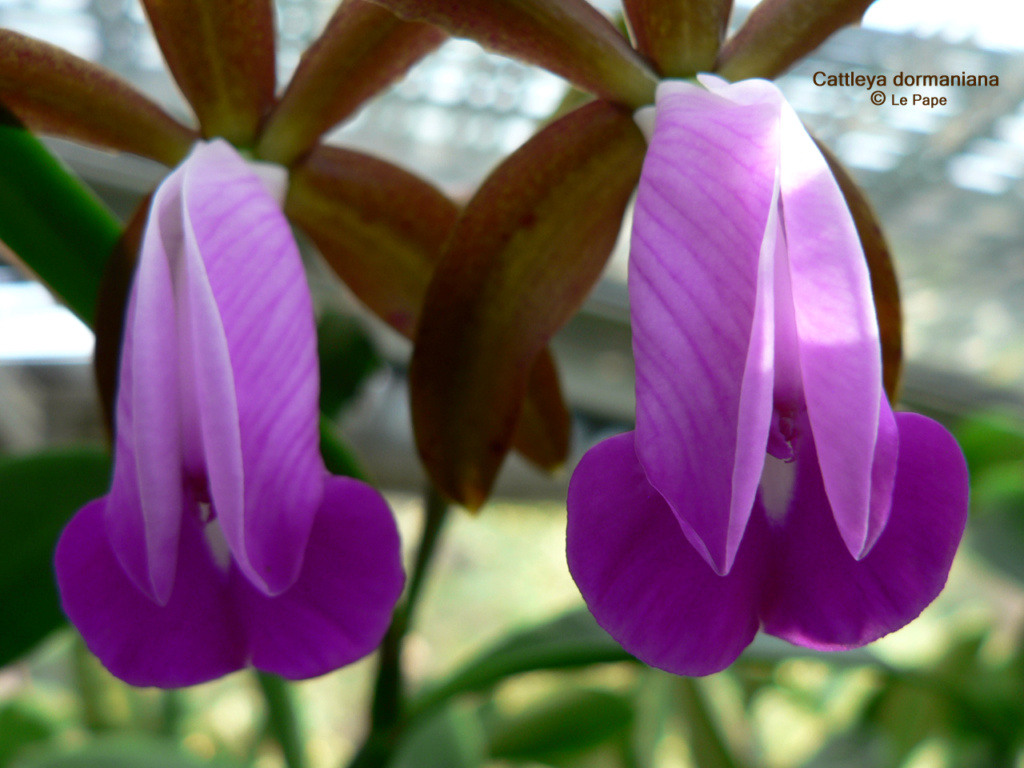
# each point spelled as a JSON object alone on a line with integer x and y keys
{"x": 20, "y": 728}
{"x": 121, "y": 752}
{"x": 38, "y": 494}
{"x": 347, "y": 358}
{"x": 570, "y": 722}
{"x": 569, "y": 641}
{"x": 36, "y": 192}
{"x": 453, "y": 738}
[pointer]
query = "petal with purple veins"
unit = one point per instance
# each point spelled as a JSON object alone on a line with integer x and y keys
{"x": 704, "y": 378}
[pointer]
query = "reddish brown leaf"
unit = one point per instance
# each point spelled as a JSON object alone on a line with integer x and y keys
{"x": 568, "y": 37}
{"x": 54, "y": 92}
{"x": 884, "y": 285}
{"x": 545, "y": 423}
{"x": 363, "y": 50}
{"x": 681, "y": 38}
{"x": 221, "y": 54}
{"x": 111, "y": 304}
{"x": 523, "y": 257}
{"x": 379, "y": 227}
{"x": 382, "y": 230}
{"x": 779, "y": 32}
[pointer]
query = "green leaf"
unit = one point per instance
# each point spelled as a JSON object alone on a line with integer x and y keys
{"x": 528, "y": 249}
{"x": 40, "y": 493}
{"x": 570, "y": 641}
{"x": 996, "y": 529}
{"x": 347, "y": 358}
{"x": 453, "y": 738}
{"x": 707, "y": 744}
{"x": 122, "y": 752}
{"x": 52, "y": 222}
{"x": 778, "y": 33}
{"x": 680, "y": 38}
{"x": 363, "y": 49}
{"x": 56, "y": 93}
{"x": 569, "y": 722}
{"x": 990, "y": 439}
{"x": 222, "y": 56}
{"x": 338, "y": 457}
{"x": 568, "y": 37}
{"x": 19, "y": 728}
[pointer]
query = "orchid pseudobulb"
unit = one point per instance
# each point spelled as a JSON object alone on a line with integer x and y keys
{"x": 223, "y": 540}
{"x": 768, "y": 483}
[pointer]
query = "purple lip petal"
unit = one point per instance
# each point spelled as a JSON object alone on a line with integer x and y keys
{"x": 705, "y": 197}
{"x": 821, "y": 597}
{"x": 190, "y": 639}
{"x": 216, "y": 621}
{"x": 339, "y": 608}
{"x": 643, "y": 581}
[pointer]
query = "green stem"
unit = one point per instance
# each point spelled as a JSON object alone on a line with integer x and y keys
{"x": 281, "y": 720}
{"x": 386, "y": 715}
{"x": 170, "y": 713}
{"x": 89, "y": 687}
{"x": 710, "y": 750}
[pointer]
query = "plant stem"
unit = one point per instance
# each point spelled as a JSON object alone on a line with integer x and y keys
{"x": 281, "y": 720}
{"x": 386, "y": 714}
{"x": 89, "y": 687}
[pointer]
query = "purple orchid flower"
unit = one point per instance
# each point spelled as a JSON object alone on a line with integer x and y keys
{"x": 768, "y": 483}
{"x": 223, "y": 540}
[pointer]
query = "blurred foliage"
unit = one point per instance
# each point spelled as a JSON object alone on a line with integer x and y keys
{"x": 563, "y": 695}
{"x": 35, "y": 510}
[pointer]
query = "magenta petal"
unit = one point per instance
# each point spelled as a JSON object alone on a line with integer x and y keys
{"x": 251, "y": 275}
{"x": 191, "y": 639}
{"x": 819, "y": 596}
{"x": 840, "y": 352}
{"x": 641, "y": 578}
{"x": 701, "y": 332}
{"x": 216, "y": 621}
{"x": 340, "y": 607}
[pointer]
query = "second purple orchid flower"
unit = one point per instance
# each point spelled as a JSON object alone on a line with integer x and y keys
{"x": 223, "y": 540}
{"x": 768, "y": 483}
